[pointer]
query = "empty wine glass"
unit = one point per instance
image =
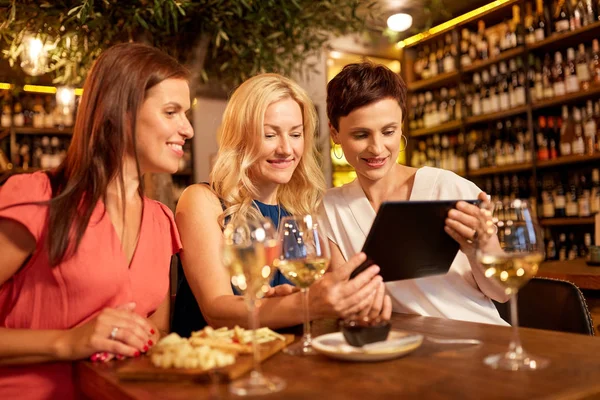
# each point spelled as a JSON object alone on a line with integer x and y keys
{"x": 250, "y": 246}
{"x": 303, "y": 260}
{"x": 510, "y": 251}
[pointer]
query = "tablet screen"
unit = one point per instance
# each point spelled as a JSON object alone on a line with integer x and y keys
{"x": 408, "y": 241}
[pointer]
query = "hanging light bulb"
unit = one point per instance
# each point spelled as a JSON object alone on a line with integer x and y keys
{"x": 65, "y": 97}
{"x": 34, "y": 57}
{"x": 65, "y": 103}
{"x": 399, "y": 22}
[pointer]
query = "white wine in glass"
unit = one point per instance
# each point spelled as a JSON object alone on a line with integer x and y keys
{"x": 249, "y": 249}
{"x": 304, "y": 259}
{"x": 510, "y": 253}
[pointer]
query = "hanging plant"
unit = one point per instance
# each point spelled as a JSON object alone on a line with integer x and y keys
{"x": 225, "y": 41}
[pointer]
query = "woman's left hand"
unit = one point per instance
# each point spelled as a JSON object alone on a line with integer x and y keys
{"x": 469, "y": 224}
{"x": 155, "y": 335}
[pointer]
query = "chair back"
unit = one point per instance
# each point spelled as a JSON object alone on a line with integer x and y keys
{"x": 551, "y": 304}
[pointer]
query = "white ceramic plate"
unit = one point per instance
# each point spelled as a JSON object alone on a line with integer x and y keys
{"x": 334, "y": 345}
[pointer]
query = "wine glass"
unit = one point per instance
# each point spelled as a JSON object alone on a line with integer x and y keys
{"x": 250, "y": 246}
{"x": 510, "y": 251}
{"x": 303, "y": 260}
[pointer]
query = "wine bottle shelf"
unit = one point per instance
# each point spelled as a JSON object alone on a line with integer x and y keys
{"x": 496, "y": 116}
{"x": 435, "y": 82}
{"x": 567, "y": 221}
{"x": 594, "y": 90}
{"x": 479, "y": 65}
{"x": 41, "y": 131}
{"x": 568, "y": 160}
{"x": 500, "y": 169}
{"x": 445, "y": 127}
{"x": 561, "y": 41}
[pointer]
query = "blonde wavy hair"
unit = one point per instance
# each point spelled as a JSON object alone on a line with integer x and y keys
{"x": 240, "y": 137}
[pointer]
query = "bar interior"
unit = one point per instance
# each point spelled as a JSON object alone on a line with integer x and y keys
{"x": 239, "y": 157}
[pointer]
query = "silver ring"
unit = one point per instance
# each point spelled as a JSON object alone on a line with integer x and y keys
{"x": 113, "y": 333}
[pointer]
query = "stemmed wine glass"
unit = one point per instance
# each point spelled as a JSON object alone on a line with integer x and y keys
{"x": 510, "y": 252}
{"x": 303, "y": 260}
{"x": 250, "y": 246}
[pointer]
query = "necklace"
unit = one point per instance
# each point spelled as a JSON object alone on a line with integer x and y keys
{"x": 278, "y": 210}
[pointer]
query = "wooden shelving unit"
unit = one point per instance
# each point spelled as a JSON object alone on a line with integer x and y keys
{"x": 567, "y": 221}
{"x": 435, "y": 82}
{"x": 497, "y": 115}
{"x": 507, "y": 55}
{"x": 566, "y": 160}
{"x": 41, "y": 131}
{"x": 464, "y": 74}
{"x": 504, "y": 169}
{"x": 562, "y": 41}
{"x": 593, "y": 91}
{"x": 443, "y": 128}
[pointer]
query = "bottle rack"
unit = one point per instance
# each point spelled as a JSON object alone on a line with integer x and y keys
{"x": 464, "y": 74}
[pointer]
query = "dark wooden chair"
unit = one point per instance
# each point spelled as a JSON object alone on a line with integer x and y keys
{"x": 551, "y": 304}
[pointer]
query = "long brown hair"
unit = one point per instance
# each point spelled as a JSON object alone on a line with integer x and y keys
{"x": 103, "y": 134}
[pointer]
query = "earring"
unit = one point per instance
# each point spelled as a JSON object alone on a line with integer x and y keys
{"x": 335, "y": 154}
{"x": 405, "y": 144}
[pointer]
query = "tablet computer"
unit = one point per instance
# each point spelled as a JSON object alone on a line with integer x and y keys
{"x": 407, "y": 240}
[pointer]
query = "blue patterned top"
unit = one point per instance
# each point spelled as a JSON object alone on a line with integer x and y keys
{"x": 272, "y": 212}
{"x": 187, "y": 316}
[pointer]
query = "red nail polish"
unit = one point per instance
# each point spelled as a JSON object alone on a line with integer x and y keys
{"x": 94, "y": 357}
{"x": 136, "y": 354}
{"x": 150, "y": 342}
{"x": 152, "y": 331}
{"x": 120, "y": 357}
{"x": 145, "y": 349}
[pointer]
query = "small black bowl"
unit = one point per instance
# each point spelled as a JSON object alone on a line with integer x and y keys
{"x": 364, "y": 331}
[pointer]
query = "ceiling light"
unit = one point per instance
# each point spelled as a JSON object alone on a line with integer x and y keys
{"x": 399, "y": 22}
{"x": 335, "y": 54}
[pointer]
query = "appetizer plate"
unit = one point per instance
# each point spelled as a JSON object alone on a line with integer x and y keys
{"x": 397, "y": 344}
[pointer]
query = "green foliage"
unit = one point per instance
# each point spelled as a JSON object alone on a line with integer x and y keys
{"x": 245, "y": 37}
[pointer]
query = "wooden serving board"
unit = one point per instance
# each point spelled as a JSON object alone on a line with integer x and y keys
{"x": 142, "y": 369}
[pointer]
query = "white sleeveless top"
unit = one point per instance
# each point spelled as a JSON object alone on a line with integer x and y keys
{"x": 347, "y": 216}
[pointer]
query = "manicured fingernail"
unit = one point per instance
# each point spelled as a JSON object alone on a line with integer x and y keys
{"x": 120, "y": 357}
{"x": 94, "y": 357}
{"x": 150, "y": 342}
{"x": 136, "y": 354}
{"x": 145, "y": 349}
{"x": 152, "y": 331}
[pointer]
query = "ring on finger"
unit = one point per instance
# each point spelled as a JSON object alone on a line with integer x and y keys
{"x": 113, "y": 333}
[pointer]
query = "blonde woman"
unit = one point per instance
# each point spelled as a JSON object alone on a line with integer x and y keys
{"x": 267, "y": 164}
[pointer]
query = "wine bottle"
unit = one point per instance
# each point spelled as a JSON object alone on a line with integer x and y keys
{"x": 561, "y": 17}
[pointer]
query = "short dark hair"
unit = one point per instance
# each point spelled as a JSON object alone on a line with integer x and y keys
{"x": 361, "y": 84}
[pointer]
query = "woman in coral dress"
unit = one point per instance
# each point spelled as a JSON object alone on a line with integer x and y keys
{"x": 85, "y": 259}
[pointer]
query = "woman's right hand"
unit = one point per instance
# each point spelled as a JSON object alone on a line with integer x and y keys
{"x": 335, "y": 296}
{"x": 131, "y": 338}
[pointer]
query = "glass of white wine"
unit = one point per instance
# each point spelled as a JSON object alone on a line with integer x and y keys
{"x": 510, "y": 252}
{"x": 303, "y": 260}
{"x": 250, "y": 246}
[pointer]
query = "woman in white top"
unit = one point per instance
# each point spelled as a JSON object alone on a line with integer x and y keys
{"x": 366, "y": 104}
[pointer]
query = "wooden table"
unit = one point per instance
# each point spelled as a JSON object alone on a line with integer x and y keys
{"x": 434, "y": 371}
{"x": 576, "y": 271}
